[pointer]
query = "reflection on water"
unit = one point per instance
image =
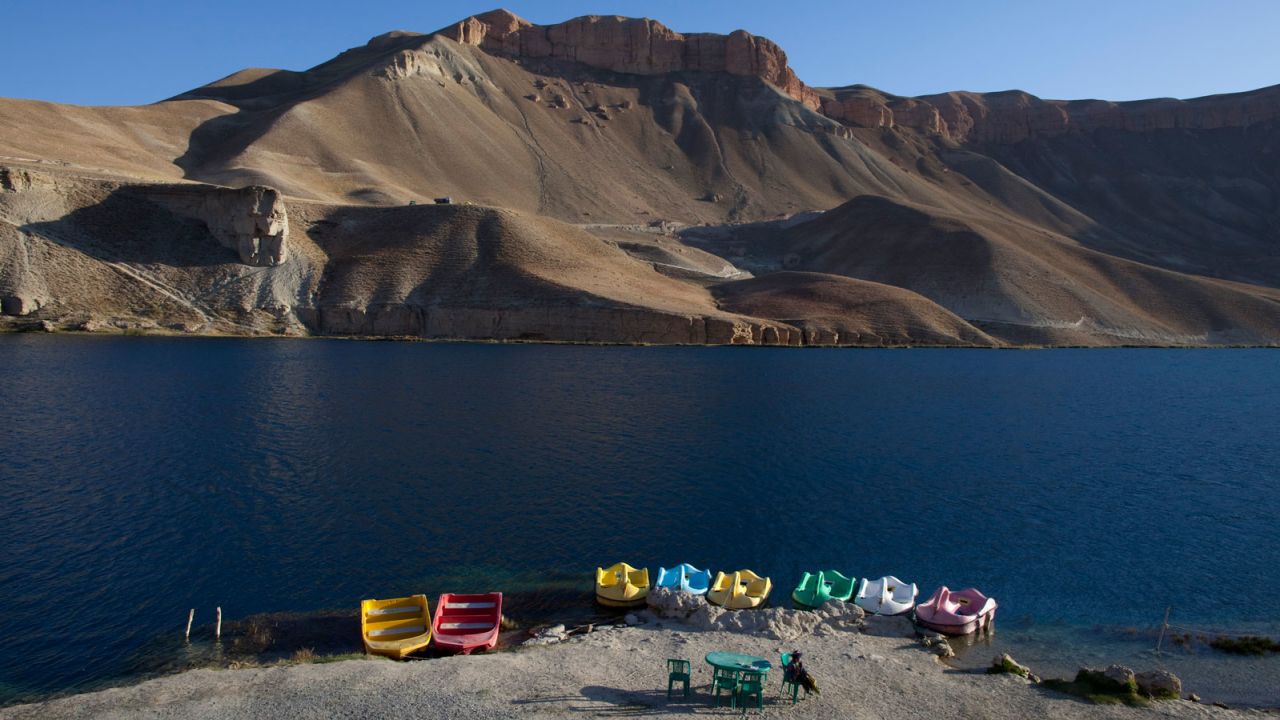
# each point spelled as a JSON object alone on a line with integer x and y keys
{"x": 142, "y": 477}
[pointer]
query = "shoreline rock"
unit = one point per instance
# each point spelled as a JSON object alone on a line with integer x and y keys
{"x": 1159, "y": 684}
{"x": 1005, "y": 664}
{"x": 1117, "y": 683}
{"x": 775, "y": 623}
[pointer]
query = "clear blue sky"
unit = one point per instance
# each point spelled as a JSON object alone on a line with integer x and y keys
{"x": 137, "y": 51}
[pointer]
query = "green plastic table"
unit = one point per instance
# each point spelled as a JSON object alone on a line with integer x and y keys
{"x": 738, "y": 662}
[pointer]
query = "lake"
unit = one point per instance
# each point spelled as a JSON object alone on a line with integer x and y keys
{"x": 1087, "y": 490}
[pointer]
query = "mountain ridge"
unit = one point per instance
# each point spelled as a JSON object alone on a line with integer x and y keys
{"x": 647, "y": 47}
{"x": 680, "y": 164}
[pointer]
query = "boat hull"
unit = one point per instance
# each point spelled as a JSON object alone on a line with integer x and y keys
{"x": 886, "y": 596}
{"x": 964, "y": 627}
{"x": 742, "y": 590}
{"x": 397, "y": 627}
{"x": 622, "y": 586}
{"x": 685, "y": 578}
{"x": 464, "y": 624}
{"x": 817, "y": 589}
{"x": 611, "y": 602}
{"x": 956, "y": 614}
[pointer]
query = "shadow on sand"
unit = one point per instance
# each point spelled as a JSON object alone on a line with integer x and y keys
{"x": 616, "y": 702}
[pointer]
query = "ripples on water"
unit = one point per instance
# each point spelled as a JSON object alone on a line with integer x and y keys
{"x": 141, "y": 477}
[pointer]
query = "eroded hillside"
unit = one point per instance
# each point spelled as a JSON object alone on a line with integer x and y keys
{"x": 630, "y": 183}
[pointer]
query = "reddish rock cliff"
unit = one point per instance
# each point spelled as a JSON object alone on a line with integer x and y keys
{"x": 647, "y": 47}
{"x": 1010, "y": 117}
{"x": 638, "y": 46}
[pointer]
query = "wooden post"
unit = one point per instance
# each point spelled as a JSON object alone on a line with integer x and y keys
{"x": 217, "y": 626}
{"x": 190, "y": 617}
{"x": 1163, "y": 627}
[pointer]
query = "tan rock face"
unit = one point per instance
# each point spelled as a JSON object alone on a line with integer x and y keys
{"x": 260, "y": 226}
{"x": 252, "y": 220}
{"x": 22, "y": 288}
{"x": 16, "y": 180}
{"x": 636, "y": 46}
{"x": 434, "y": 62}
{"x": 858, "y": 111}
{"x": 12, "y": 180}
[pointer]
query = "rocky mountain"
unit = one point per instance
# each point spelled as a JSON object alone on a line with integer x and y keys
{"x": 630, "y": 183}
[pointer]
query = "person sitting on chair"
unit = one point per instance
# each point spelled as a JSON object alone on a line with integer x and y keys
{"x": 795, "y": 672}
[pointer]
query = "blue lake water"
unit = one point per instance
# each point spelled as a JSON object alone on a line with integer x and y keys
{"x": 140, "y": 477}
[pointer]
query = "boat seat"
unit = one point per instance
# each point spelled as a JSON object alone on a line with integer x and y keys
{"x": 476, "y": 605}
{"x": 404, "y": 629}
{"x": 399, "y": 610}
{"x": 465, "y": 626}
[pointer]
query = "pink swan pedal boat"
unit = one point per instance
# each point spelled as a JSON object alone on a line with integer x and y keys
{"x": 957, "y": 613}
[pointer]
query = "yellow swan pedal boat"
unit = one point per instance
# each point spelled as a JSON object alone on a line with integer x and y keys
{"x": 395, "y": 627}
{"x": 739, "y": 590}
{"x": 622, "y": 586}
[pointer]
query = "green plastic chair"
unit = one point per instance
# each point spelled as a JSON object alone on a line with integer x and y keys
{"x": 787, "y": 684}
{"x": 727, "y": 680}
{"x": 750, "y": 683}
{"x": 678, "y": 670}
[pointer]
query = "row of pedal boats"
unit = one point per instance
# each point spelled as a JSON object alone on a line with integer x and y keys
{"x": 950, "y": 612}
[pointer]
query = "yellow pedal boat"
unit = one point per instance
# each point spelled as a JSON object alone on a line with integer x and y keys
{"x": 621, "y": 585}
{"x": 395, "y": 627}
{"x": 740, "y": 590}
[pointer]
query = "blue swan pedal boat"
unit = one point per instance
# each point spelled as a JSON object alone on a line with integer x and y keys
{"x": 686, "y": 578}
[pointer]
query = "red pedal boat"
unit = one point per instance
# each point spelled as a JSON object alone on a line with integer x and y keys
{"x": 465, "y": 623}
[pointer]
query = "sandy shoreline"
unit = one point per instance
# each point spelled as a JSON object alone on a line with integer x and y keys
{"x": 612, "y": 671}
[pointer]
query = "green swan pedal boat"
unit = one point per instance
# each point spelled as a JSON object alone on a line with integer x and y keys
{"x": 817, "y": 588}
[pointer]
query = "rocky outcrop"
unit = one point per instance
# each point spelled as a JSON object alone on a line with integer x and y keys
{"x": 549, "y": 636}
{"x": 1006, "y": 665}
{"x": 1119, "y": 684}
{"x": 636, "y": 46}
{"x": 938, "y": 645}
{"x": 1120, "y": 675}
{"x": 1011, "y": 117}
{"x": 18, "y": 304}
{"x": 1159, "y": 684}
{"x": 673, "y": 604}
{"x": 15, "y": 179}
{"x": 23, "y": 290}
{"x": 778, "y": 623}
{"x": 252, "y": 221}
{"x": 435, "y": 61}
